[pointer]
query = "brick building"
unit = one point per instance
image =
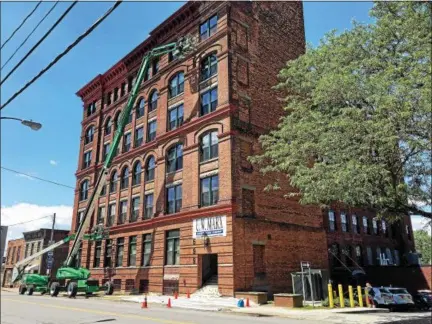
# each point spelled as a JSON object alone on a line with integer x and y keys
{"x": 31, "y": 243}
{"x": 182, "y": 202}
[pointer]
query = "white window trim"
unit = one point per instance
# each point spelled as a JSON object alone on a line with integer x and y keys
{"x": 210, "y": 87}
{"x": 148, "y": 192}
{"x": 181, "y": 102}
{"x": 151, "y": 119}
{"x": 209, "y": 174}
{"x": 173, "y": 184}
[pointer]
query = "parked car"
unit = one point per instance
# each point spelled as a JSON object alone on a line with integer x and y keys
{"x": 380, "y": 297}
{"x": 402, "y": 298}
{"x": 423, "y": 299}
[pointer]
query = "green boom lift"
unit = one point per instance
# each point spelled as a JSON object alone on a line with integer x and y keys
{"x": 77, "y": 279}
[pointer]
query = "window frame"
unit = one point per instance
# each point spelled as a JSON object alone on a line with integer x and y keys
{"x": 177, "y": 202}
{"x": 127, "y": 142}
{"x": 134, "y": 212}
{"x": 113, "y": 182}
{"x": 87, "y": 159}
{"x": 176, "y": 89}
{"x": 89, "y": 135}
{"x": 207, "y": 65}
{"x": 146, "y": 242}
{"x": 211, "y": 106}
{"x": 136, "y": 176}
{"x": 210, "y": 30}
{"x": 119, "y": 252}
{"x": 83, "y": 193}
{"x": 153, "y": 101}
{"x": 174, "y": 161}
{"x": 172, "y": 257}
{"x": 140, "y": 109}
{"x": 212, "y": 192}
{"x": 124, "y": 178}
{"x": 132, "y": 256}
{"x": 213, "y": 148}
{"x": 179, "y": 117}
{"x": 151, "y": 136}
{"x": 122, "y": 211}
{"x": 150, "y": 171}
{"x": 97, "y": 256}
{"x": 138, "y": 141}
{"x": 148, "y": 209}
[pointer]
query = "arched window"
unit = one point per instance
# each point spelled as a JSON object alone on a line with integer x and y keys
{"x": 108, "y": 125}
{"x": 124, "y": 178}
{"x": 153, "y": 100}
{"x": 113, "y": 182}
{"x": 150, "y": 169}
{"x": 84, "y": 187}
{"x": 208, "y": 66}
{"x": 89, "y": 135}
{"x": 175, "y": 158}
{"x": 209, "y": 146}
{"x": 139, "y": 109}
{"x": 176, "y": 85}
{"x": 136, "y": 178}
{"x": 116, "y": 119}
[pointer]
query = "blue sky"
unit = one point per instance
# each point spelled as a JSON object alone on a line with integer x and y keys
{"x": 52, "y": 152}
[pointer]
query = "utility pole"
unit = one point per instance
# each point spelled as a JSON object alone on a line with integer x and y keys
{"x": 50, "y": 260}
{"x": 52, "y": 230}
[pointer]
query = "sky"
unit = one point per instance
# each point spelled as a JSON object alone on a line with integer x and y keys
{"x": 52, "y": 152}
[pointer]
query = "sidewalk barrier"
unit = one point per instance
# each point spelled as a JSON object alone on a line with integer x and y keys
{"x": 360, "y": 297}
{"x": 247, "y": 302}
{"x": 341, "y": 296}
{"x": 351, "y": 296}
{"x": 169, "y": 303}
{"x": 144, "y": 303}
{"x": 330, "y": 295}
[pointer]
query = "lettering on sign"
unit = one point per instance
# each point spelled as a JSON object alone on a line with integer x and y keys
{"x": 209, "y": 226}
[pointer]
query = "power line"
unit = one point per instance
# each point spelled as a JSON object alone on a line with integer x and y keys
{"x": 41, "y": 179}
{"x": 31, "y": 33}
{"x": 22, "y": 23}
{"x": 29, "y": 221}
{"x": 79, "y": 39}
{"x": 39, "y": 42}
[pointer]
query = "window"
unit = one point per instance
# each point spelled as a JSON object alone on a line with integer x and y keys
{"x": 209, "y": 191}
{"x": 258, "y": 259}
{"x": 396, "y": 257}
{"x": 135, "y": 209}
{"x": 79, "y": 218}
{"x": 146, "y": 250}
{"x": 344, "y": 222}
{"x": 175, "y": 158}
{"x": 89, "y": 135}
{"x": 150, "y": 169}
{"x": 355, "y": 227}
{"x": 127, "y": 139}
{"x": 176, "y": 85}
{"x": 84, "y": 190}
{"x": 155, "y": 66}
{"x": 108, "y": 98}
{"x": 124, "y": 178}
{"x": 103, "y": 191}
{"x": 208, "y": 67}
{"x": 369, "y": 256}
{"x": 113, "y": 182}
{"x": 139, "y": 109}
{"x": 208, "y": 28}
{"x": 116, "y": 93}
{"x": 375, "y": 226}
{"x": 389, "y": 256}
{"x": 384, "y": 227}
{"x": 174, "y": 199}
{"x": 136, "y": 178}
{"x": 123, "y": 89}
{"x": 358, "y": 254}
{"x": 175, "y": 117}
{"x": 209, "y": 146}
{"x": 379, "y": 256}
{"x": 151, "y": 131}
{"x": 332, "y": 221}
{"x": 147, "y": 75}
{"x": 148, "y": 211}
{"x": 111, "y": 214}
{"x": 91, "y": 109}
{"x": 122, "y": 211}
{"x": 116, "y": 119}
{"x": 139, "y": 136}
{"x": 106, "y": 150}
{"x": 366, "y": 225}
{"x": 101, "y": 215}
{"x": 119, "y": 254}
{"x": 130, "y": 117}
{"x": 209, "y": 101}
{"x": 87, "y": 159}
{"x": 97, "y": 255}
{"x": 172, "y": 247}
{"x": 130, "y": 83}
{"x": 132, "y": 251}
{"x": 108, "y": 253}
{"x": 172, "y": 56}
{"x": 153, "y": 100}
{"x": 108, "y": 125}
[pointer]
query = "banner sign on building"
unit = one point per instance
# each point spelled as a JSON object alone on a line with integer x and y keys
{"x": 209, "y": 226}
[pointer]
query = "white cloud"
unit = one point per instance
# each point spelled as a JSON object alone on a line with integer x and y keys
{"x": 23, "y": 212}
{"x": 419, "y": 222}
{"x": 53, "y": 162}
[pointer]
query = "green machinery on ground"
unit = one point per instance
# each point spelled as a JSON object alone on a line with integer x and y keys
{"x": 77, "y": 279}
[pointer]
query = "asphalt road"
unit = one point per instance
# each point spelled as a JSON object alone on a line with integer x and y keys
{"x": 37, "y": 309}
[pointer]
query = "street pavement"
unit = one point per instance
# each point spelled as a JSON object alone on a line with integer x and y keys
{"x": 37, "y": 309}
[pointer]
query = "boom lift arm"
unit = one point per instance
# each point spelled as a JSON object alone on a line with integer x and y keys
{"x": 180, "y": 48}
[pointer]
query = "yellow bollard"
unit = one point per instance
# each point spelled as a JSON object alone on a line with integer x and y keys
{"x": 367, "y": 298}
{"x": 351, "y": 296}
{"x": 360, "y": 297}
{"x": 341, "y": 297}
{"x": 330, "y": 295}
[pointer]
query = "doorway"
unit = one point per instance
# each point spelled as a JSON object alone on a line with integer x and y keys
{"x": 209, "y": 267}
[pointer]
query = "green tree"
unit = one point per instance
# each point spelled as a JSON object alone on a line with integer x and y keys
{"x": 423, "y": 243}
{"x": 357, "y": 128}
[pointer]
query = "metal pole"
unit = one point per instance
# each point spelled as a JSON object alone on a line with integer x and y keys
{"x": 312, "y": 287}
{"x": 52, "y": 237}
{"x": 303, "y": 285}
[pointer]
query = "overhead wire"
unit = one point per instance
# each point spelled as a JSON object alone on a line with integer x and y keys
{"x": 29, "y": 221}
{"x": 79, "y": 39}
{"x": 41, "y": 179}
{"x": 31, "y": 33}
{"x": 39, "y": 42}
{"x": 22, "y": 23}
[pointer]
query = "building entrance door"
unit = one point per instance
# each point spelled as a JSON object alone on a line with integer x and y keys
{"x": 209, "y": 267}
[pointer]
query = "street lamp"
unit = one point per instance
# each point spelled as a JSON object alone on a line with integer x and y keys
{"x": 29, "y": 123}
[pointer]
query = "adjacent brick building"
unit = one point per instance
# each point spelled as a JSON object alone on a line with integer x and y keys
{"x": 182, "y": 203}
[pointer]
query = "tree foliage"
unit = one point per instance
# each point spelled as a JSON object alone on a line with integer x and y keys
{"x": 357, "y": 128}
{"x": 423, "y": 243}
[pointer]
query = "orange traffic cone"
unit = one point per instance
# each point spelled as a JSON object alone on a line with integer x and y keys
{"x": 188, "y": 294}
{"x": 247, "y": 302}
{"x": 144, "y": 303}
{"x": 169, "y": 303}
